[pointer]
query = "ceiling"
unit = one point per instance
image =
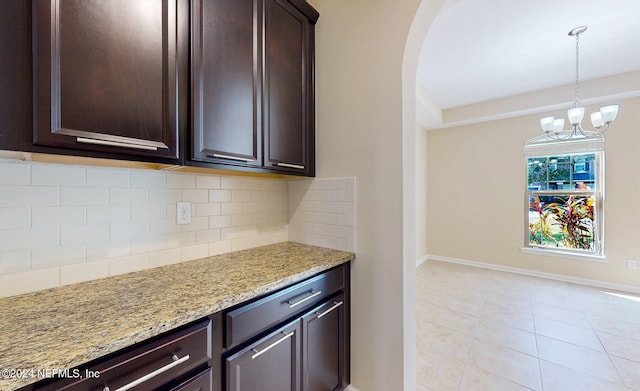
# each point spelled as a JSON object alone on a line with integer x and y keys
{"x": 497, "y": 58}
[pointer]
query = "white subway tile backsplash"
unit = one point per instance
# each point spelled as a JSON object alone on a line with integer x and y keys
{"x": 219, "y": 196}
{"x": 230, "y": 208}
{"x": 128, "y": 264}
{"x": 207, "y": 182}
{"x": 181, "y": 181}
{"x": 240, "y": 196}
{"x": 322, "y": 212}
{"x": 165, "y": 257}
{"x": 84, "y": 196}
{"x": 23, "y": 239}
{"x": 233, "y": 233}
{"x": 148, "y": 212}
{"x": 79, "y": 272}
{"x": 207, "y": 209}
{"x": 15, "y": 261}
{"x": 148, "y": 244}
{"x": 15, "y": 218}
{"x": 221, "y": 247}
{"x": 108, "y": 214}
{"x": 127, "y": 196}
{"x": 195, "y": 195}
{"x": 259, "y": 218}
{"x": 107, "y": 177}
{"x": 208, "y": 236}
{"x": 28, "y": 196}
{"x": 231, "y": 183}
{"x": 167, "y": 226}
{"x": 63, "y": 224}
{"x": 58, "y": 175}
{"x": 180, "y": 239}
{"x": 46, "y": 257}
{"x": 90, "y": 233}
{"x": 164, "y": 196}
{"x": 55, "y": 216}
{"x": 220, "y": 221}
{"x": 134, "y": 229}
{"x": 327, "y": 218}
{"x": 30, "y": 281}
{"x": 195, "y": 252}
{"x": 14, "y": 173}
{"x": 197, "y": 224}
{"x": 148, "y": 179}
{"x": 108, "y": 249}
{"x": 240, "y": 220}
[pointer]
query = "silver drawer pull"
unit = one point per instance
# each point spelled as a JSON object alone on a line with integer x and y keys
{"x": 176, "y": 361}
{"x": 289, "y": 165}
{"x": 311, "y": 296}
{"x": 258, "y": 353}
{"x": 242, "y": 159}
{"x": 85, "y": 140}
{"x": 335, "y": 305}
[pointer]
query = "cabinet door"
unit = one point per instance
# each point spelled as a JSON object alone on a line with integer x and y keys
{"x": 323, "y": 350}
{"x": 226, "y": 81}
{"x": 105, "y": 76}
{"x": 270, "y": 364}
{"x": 288, "y": 89}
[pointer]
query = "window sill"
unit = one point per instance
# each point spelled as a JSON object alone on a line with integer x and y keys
{"x": 562, "y": 254}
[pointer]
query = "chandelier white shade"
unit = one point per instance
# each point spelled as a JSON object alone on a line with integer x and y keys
{"x": 600, "y": 120}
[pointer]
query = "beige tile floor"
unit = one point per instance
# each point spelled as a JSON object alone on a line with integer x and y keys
{"x": 482, "y": 329}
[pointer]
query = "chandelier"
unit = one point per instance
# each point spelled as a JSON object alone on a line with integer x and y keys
{"x": 553, "y": 127}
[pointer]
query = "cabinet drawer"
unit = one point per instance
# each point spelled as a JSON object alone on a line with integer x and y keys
{"x": 200, "y": 382}
{"x": 251, "y": 319}
{"x": 158, "y": 362}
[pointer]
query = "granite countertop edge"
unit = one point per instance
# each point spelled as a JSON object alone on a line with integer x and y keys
{"x": 68, "y": 326}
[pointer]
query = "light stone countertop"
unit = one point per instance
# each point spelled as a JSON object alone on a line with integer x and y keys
{"x": 68, "y": 326}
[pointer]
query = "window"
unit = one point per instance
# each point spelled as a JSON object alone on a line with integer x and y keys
{"x": 564, "y": 198}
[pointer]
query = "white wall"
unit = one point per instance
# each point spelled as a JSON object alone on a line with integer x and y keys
{"x": 475, "y": 201}
{"x": 421, "y": 194}
{"x": 365, "y": 128}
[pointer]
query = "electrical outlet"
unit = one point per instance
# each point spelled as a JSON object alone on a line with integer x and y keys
{"x": 183, "y": 213}
{"x": 632, "y": 264}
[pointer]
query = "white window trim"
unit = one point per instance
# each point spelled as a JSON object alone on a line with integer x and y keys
{"x": 550, "y": 252}
{"x": 542, "y": 146}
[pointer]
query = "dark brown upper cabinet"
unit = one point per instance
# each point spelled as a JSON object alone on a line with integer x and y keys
{"x": 106, "y": 76}
{"x": 288, "y": 68}
{"x": 252, "y": 89}
{"x": 226, "y": 81}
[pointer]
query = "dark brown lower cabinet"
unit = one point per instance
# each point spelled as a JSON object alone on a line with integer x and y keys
{"x": 272, "y": 363}
{"x": 177, "y": 361}
{"x": 323, "y": 347}
{"x": 307, "y": 354}
{"x": 201, "y": 382}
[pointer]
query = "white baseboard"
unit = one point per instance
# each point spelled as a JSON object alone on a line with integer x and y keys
{"x": 422, "y": 260}
{"x": 350, "y": 388}
{"x": 550, "y": 276}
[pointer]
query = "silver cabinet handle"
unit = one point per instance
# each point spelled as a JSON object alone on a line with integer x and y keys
{"x": 258, "y": 353}
{"x": 176, "y": 361}
{"x": 280, "y": 164}
{"x": 85, "y": 140}
{"x": 335, "y": 305}
{"x": 313, "y": 294}
{"x": 242, "y": 159}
